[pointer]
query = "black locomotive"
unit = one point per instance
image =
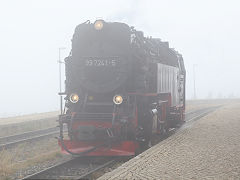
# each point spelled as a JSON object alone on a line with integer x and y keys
{"x": 121, "y": 88}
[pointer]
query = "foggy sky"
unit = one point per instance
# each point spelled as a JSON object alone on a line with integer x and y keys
{"x": 205, "y": 32}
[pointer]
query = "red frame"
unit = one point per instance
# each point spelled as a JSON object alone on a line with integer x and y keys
{"x": 123, "y": 148}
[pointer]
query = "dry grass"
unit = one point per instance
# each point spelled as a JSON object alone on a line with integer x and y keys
{"x": 16, "y": 161}
{"x": 9, "y": 166}
{"x": 7, "y": 159}
{"x": 6, "y": 164}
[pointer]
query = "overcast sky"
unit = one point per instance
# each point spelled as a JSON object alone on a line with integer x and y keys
{"x": 205, "y": 32}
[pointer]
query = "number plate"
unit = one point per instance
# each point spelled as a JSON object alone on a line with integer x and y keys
{"x": 101, "y": 62}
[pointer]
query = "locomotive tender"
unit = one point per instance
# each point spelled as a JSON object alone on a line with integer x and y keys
{"x": 121, "y": 88}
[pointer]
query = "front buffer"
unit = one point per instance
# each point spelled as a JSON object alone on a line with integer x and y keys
{"x": 97, "y": 137}
{"x": 123, "y": 148}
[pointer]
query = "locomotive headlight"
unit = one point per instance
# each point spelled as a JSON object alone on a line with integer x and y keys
{"x": 98, "y": 25}
{"x": 117, "y": 99}
{"x": 74, "y": 98}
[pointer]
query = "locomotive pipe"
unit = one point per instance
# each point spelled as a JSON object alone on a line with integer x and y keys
{"x": 114, "y": 115}
{"x": 78, "y": 154}
{"x": 65, "y": 147}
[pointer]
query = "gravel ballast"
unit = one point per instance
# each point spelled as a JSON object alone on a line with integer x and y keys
{"x": 208, "y": 149}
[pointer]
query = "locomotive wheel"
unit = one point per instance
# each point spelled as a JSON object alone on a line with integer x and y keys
{"x": 164, "y": 129}
{"x": 181, "y": 116}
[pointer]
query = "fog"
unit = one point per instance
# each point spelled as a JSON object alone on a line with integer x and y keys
{"x": 205, "y": 32}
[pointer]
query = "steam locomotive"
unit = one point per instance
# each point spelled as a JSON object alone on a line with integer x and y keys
{"x": 121, "y": 89}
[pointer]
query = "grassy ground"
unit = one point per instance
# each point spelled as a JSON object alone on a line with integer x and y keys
{"x": 27, "y": 158}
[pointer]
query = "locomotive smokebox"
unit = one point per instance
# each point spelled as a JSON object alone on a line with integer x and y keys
{"x": 96, "y": 74}
{"x": 100, "y": 57}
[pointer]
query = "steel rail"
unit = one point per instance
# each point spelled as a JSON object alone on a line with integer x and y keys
{"x": 14, "y": 143}
{"x": 27, "y": 133}
{"x": 10, "y": 141}
{"x": 46, "y": 172}
{"x": 88, "y": 174}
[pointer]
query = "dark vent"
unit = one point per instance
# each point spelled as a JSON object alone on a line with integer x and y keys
{"x": 94, "y": 116}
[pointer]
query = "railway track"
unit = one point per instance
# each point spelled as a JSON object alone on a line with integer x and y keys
{"x": 197, "y": 114}
{"x": 83, "y": 167}
{"x": 76, "y": 168}
{"x": 10, "y": 141}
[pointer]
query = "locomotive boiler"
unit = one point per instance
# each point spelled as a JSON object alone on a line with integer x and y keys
{"x": 121, "y": 88}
